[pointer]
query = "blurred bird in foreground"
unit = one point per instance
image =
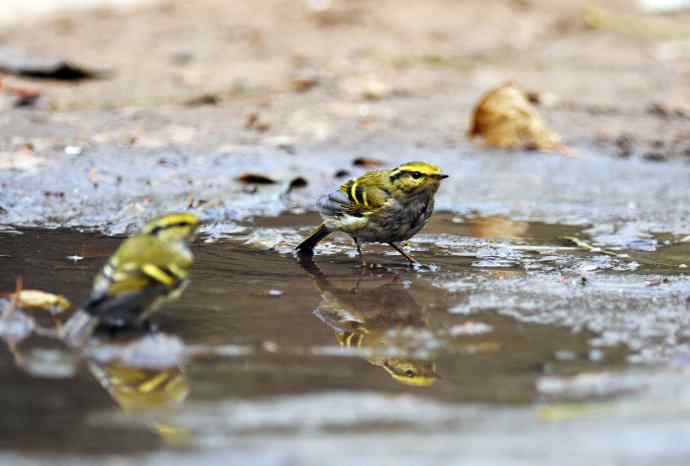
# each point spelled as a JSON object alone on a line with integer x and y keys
{"x": 146, "y": 270}
{"x": 381, "y": 206}
{"x": 381, "y": 320}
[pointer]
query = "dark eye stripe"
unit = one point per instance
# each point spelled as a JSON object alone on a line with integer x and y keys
{"x": 394, "y": 177}
{"x": 415, "y": 175}
{"x": 160, "y": 228}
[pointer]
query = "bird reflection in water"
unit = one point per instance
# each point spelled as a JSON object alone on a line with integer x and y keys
{"x": 155, "y": 386}
{"x": 155, "y": 392}
{"x": 386, "y": 321}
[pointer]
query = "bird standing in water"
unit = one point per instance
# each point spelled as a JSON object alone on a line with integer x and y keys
{"x": 387, "y": 206}
{"x": 145, "y": 271}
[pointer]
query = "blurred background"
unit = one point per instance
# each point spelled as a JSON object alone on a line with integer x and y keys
{"x": 347, "y": 71}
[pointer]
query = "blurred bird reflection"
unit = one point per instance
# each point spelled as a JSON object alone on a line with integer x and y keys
{"x": 157, "y": 392}
{"x": 386, "y": 321}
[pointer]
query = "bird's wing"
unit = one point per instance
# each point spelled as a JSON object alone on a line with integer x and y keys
{"x": 357, "y": 197}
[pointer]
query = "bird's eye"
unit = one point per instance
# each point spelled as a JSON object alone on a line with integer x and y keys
{"x": 409, "y": 373}
{"x": 416, "y": 175}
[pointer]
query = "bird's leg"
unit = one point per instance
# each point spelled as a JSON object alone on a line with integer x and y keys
{"x": 359, "y": 251}
{"x": 404, "y": 254}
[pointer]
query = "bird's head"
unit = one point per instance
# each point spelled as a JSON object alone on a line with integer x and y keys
{"x": 178, "y": 226}
{"x": 415, "y": 177}
{"x": 410, "y": 372}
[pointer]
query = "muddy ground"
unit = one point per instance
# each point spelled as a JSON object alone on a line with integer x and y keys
{"x": 554, "y": 292}
{"x": 193, "y": 75}
{"x": 203, "y": 88}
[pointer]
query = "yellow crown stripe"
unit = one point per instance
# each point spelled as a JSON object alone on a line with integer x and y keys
{"x": 421, "y": 167}
{"x": 171, "y": 220}
{"x": 174, "y": 219}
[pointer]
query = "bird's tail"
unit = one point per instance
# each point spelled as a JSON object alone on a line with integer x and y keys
{"x": 307, "y": 246}
{"x": 78, "y": 329}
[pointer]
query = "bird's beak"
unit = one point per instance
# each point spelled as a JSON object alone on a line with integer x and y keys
{"x": 442, "y": 176}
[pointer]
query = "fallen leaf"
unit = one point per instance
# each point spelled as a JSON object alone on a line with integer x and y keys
{"x": 297, "y": 183}
{"x": 255, "y": 178}
{"x": 203, "y": 99}
{"x": 505, "y": 118}
{"x": 305, "y": 80}
{"x": 13, "y": 62}
{"x": 40, "y": 300}
{"x": 254, "y": 122}
{"x": 366, "y": 163}
{"x": 26, "y": 94}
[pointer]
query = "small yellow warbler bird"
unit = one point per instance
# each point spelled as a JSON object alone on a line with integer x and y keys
{"x": 146, "y": 270}
{"x": 381, "y": 206}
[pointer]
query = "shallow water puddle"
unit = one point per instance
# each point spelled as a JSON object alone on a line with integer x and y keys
{"x": 498, "y": 306}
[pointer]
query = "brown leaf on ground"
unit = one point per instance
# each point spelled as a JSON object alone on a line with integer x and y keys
{"x": 366, "y": 163}
{"x": 40, "y": 300}
{"x": 253, "y": 121}
{"x": 505, "y": 118}
{"x": 16, "y": 63}
{"x": 26, "y": 94}
{"x": 255, "y": 178}
{"x": 297, "y": 183}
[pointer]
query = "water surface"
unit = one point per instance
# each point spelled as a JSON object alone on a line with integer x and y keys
{"x": 289, "y": 351}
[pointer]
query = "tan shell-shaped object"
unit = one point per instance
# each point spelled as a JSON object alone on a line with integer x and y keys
{"x": 505, "y": 118}
{"x": 41, "y": 300}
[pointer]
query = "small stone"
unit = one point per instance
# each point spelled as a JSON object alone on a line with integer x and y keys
{"x": 73, "y": 150}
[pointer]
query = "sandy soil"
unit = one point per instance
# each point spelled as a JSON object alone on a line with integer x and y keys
{"x": 197, "y": 74}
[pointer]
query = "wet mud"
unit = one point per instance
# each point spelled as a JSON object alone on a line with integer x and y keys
{"x": 534, "y": 325}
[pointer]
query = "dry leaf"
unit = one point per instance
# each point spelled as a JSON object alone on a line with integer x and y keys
{"x": 297, "y": 183}
{"x": 254, "y": 122}
{"x": 255, "y": 178}
{"x": 305, "y": 79}
{"x": 41, "y": 300}
{"x": 366, "y": 163}
{"x": 505, "y": 118}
